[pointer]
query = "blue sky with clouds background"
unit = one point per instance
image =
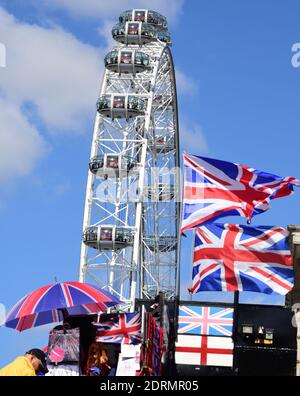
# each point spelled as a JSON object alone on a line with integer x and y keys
{"x": 238, "y": 101}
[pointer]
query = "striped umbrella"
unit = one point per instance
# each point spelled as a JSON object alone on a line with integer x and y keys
{"x": 49, "y": 304}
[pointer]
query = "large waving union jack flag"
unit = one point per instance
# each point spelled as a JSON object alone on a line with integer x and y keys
{"x": 199, "y": 320}
{"x": 122, "y": 328}
{"x": 229, "y": 257}
{"x": 214, "y": 189}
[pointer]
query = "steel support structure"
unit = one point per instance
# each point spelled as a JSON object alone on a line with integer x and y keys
{"x": 147, "y": 199}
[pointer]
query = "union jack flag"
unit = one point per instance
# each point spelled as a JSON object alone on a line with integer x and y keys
{"x": 197, "y": 320}
{"x": 214, "y": 189}
{"x": 122, "y": 328}
{"x": 229, "y": 257}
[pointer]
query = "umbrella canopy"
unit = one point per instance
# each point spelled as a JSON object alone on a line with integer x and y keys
{"x": 47, "y": 304}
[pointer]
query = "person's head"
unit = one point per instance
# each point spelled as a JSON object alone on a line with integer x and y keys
{"x": 37, "y": 358}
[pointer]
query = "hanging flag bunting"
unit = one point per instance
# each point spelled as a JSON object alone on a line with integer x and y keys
{"x": 216, "y": 321}
{"x": 152, "y": 353}
{"x": 230, "y": 257}
{"x": 214, "y": 189}
{"x": 204, "y": 351}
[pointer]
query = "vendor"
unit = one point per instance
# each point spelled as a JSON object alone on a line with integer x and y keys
{"x": 29, "y": 365}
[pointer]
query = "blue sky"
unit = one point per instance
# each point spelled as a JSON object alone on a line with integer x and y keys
{"x": 238, "y": 100}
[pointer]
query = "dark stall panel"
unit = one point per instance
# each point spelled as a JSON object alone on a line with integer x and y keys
{"x": 255, "y": 362}
{"x": 266, "y": 341}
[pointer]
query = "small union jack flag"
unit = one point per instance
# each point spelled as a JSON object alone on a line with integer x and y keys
{"x": 121, "y": 328}
{"x": 214, "y": 189}
{"x": 229, "y": 257}
{"x": 197, "y": 320}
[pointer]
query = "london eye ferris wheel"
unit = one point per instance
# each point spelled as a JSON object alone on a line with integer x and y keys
{"x": 131, "y": 240}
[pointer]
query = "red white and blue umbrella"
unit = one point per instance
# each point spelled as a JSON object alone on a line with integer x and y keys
{"x": 46, "y": 304}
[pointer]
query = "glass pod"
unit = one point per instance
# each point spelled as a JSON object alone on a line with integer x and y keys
{"x": 113, "y": 165}
{"x": 121, "y": 106}
{"x": 140, "y": 15}
{"x": 134, "y": 33}
{"x": 108, "y": 237}
{"x": 127, "y": 61}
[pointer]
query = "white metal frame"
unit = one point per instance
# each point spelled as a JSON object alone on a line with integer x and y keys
{"x": 141, "y": 270}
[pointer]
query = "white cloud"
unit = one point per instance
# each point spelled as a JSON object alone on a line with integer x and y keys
{"x": 105, "y": 32}
{"x": 112, "y": 8}
{"x": 62, "y": 188}
{"x": 55, "y": 72}
{"x": 21, "y": 146}
{"x": 52, "y": 69}
{"x": 185, "y": 84}
{"x": 59, "y": 75}
{"x": 2, "y": 314}
{"x": 192, "y": 138}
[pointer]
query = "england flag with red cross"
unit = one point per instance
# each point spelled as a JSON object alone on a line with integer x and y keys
{"x": 204, "y": 351}
{"x": 230, "y": 257}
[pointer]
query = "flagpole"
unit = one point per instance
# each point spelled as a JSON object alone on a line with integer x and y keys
{"x": 192, "y": 260}
{"x": 235, "y": 327}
